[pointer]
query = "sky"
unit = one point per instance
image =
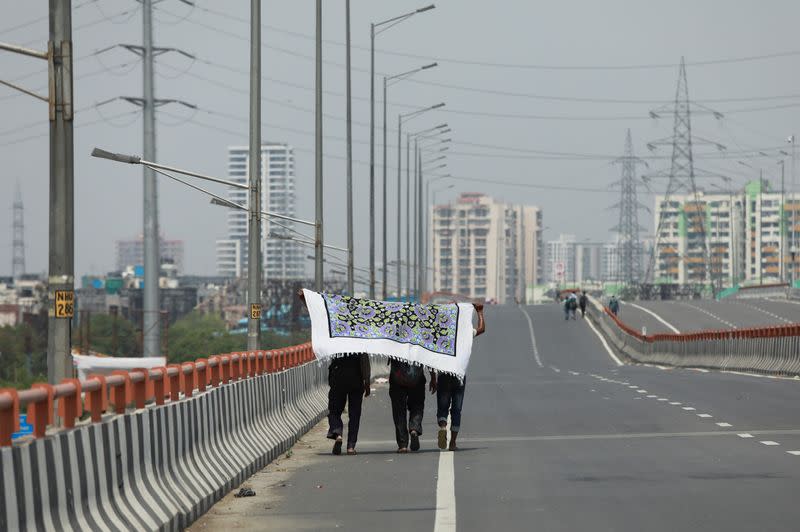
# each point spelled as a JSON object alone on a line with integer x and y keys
{"x": 531, "y": 89}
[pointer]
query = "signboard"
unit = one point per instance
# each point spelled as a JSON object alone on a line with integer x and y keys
{"x": 65, "y": 303}
{"x": 255, "y": 311}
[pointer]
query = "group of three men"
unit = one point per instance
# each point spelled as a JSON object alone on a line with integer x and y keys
{"x": 349, "y": 379}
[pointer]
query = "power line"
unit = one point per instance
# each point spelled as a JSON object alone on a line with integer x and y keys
{"x": 525, "y": 66}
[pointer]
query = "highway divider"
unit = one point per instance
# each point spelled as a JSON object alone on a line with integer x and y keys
{"x": 152, "y": 449}
{"x": 772, "y": 350}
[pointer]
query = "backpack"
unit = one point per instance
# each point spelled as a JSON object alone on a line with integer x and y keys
{"x": 583, "y": 300}
{"x": 406, "y": 375}
{"x": 573, "y": 303}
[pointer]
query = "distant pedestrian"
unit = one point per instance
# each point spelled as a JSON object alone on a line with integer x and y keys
{"x": 582, "y": 303}
{"x": 566, "y": 308}
{"x": 573, "y": 305}
{"x": 450, "y": 396}
{"x": 613, "y": 305}
{"x": 407, "y": 394}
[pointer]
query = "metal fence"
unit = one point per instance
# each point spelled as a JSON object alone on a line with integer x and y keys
{"x": 774, "y": 350}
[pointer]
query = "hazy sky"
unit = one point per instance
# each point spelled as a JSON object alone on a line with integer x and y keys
{"x": 485, "y": 51}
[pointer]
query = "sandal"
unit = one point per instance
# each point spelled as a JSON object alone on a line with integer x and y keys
{"x": 351, "y": 452}
{"x": 337, "y": 446}
{"x": 402, "y": 450}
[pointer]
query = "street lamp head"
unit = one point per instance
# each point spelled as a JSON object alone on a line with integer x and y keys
{"x": 438, "y": 106}
{"x": 118, "y": 157}
{"x": 441, "y": 126}
{"x": 426, "y": 67}
{"x": 426, "y": 8}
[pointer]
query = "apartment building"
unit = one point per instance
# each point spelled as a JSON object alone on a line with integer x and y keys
{"x": 699, "y": 238}
{"x": 282, "y": 259}
{"x": 486, "y": 249}
{"x": 131, "y": 252}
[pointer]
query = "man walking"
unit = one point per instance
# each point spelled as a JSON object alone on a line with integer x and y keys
{"x": 348, "y": 379}
{"x": 407, "y": 393}
{"x": 582, "y": 303}
{"x": 450, "y": 396}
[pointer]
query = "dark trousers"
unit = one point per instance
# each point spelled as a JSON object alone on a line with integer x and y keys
{"x": 345, "y": 386}
{"x": 411, "y": 400}
{"x": 449, "y": 396}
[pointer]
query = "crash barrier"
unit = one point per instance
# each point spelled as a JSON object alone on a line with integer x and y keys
{"x": 774, "y": 350}
{"x": 778, "y": 290}
{"x": 157, "y": 447}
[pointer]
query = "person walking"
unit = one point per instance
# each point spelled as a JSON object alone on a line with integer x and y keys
{"x": 407, "y": 395}
{"x": 613, "y": 305}
{"x": 582, "y": 303}
{"x": 567, "y": 302}
{"x": 348, "y": 379}
{"x": 450, "y": 396}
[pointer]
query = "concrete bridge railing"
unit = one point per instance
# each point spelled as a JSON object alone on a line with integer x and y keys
{"x": 774, "y": 350}
{"x": 152, "y": 449}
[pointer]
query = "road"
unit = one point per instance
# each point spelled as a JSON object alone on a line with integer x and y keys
{"x": 703, "y": 314}
{"x": 571, "y": 441}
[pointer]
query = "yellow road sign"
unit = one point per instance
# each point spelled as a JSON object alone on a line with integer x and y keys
{"x": 255, "y": 311}
{"x": 65, "y": 303}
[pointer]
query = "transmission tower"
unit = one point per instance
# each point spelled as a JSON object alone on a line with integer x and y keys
{"x": 629, "y": 249}
{"x": 681, "y": 178}
{"x": 18, "y": 236}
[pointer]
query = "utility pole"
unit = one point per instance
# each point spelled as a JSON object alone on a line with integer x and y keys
{"x": 61, "y": 263}
{"x": 61, "y": 279}
{"x": 399, "y": 207}
{"x": 318, "y": 249}
{"x": 408, "y": 215}
{"x": 350, "y": 263}
{"x": 151, "y": 319}
{"x": 384, "y": 292}
{"x": 254, "y": 171}
{"x": 782, "y": 223}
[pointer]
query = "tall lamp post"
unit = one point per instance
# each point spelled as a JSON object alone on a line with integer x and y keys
{"x": 436, "y": 130}
{"x": 386, "y": 81}
{"x": 376, "y": 28}
{"x": 421, "y": 238}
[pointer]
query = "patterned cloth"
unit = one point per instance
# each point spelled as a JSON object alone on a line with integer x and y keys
{"x": 436, "y": 336}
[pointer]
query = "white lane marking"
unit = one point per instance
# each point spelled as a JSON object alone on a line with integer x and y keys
{"x": 641, "y": 391}
{"x": 764, "y": 311}
{"x": 663, "y": 399}
{"x": 652, "y": 396}
{"x": 632, "y": 387}
{"x": 770, "y": 442}
{"x": 656, "y": 316}
{"x": 605, "y": 344}
{"x": 555, "y": 369}
{"x": 445, "y": 520}
{"x": 704, "y": 311}
{"x": 676, "y": 403}
{"x": 723, "y": 424}
{"x": 533, "y": 338}
{"x": 745, "y": 435}
{"x": 689, "y": 408}
{"x": 704, "y": 415}
{"x": 795, "y": 453}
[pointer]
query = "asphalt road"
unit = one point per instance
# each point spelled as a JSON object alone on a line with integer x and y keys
{"x": 695, "y": 315}
{"x": 561, "y": 438}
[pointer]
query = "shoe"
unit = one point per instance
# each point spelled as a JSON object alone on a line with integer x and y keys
{"x": 402, "y": 450}
{"x": 337, "y": 447}
{"x": 442, "y": 438}
{"x": 414, "y": 441}
{"x": 351, "y": 452}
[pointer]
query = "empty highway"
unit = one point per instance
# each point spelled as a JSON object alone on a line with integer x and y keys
{"x": 556, "y": 436}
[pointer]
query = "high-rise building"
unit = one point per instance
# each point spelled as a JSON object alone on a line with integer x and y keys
{"x": 486, "y": 249}
{"x": 690, "y": 221}
{"x": 282, "y": 259}
{"x": 131, "y": 253}
{"x": 560, "y": 259}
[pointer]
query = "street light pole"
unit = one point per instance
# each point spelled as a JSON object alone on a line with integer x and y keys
{"x": 254, "y": 170}
{"x": 384, "y": 292}
{"x": 782, "y": 222}
{"x": 318, "y": 249}
{"x": 350, "y": 262}
{"x": 372, "y": 161}
{"x": 373, "y": 27}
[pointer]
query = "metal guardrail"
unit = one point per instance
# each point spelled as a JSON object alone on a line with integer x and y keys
{"x": 774, "y": 350}
{"x": 125, "y": 390}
